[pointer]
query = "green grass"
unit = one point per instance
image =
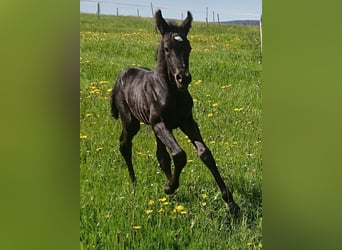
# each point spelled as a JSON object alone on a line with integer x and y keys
{"x": 226, "y": 67}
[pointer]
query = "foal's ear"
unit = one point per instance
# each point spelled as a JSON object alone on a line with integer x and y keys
{"x": 162, "y": 25}
{"x": 186, "y": 25}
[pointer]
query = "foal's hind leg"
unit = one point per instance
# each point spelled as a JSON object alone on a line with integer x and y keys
{"x": 191, "y": 129}
{"x": 130, "y": 127}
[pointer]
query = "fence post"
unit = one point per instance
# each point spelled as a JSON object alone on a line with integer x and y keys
{"x": 98, "y": 10}
{"x": 152, "y": 9}
{"x": 260, "y": 27}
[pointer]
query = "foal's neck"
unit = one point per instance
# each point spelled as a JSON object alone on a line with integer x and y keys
{"x": 161, "y": 67}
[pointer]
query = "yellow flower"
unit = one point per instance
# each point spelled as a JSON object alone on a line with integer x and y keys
{"x": 148, "y": 211}
{"x": 99, "y": 149}
{"x": 190, "y": 161}
{"x": 109, "y": 90}
{"x": 210, "y": 115}
{"x": 249, "y": 244}
{"x": 166, "y": 203}
{"x": 203, "y": 204}
{"x": 238, "y": 109}
{"x": 103, "y": 82}
{"x": 180, "y": 209}
{"x": 161, "y": 210}
{"x": 260, "y": 245}
{"x": 215, "y": 104}
{"x": 212, "y": 142}
{"x": 204, "y": 196}
{"x": 83, "y": 136}
{"x": 226, "y": 86}
{"x": 151, "y": 202}
{"x": 136, "y": 227}
{"x": 88, "y": 115}
{"x": 162, "y": 199}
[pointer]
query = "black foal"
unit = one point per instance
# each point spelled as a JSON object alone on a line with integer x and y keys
{"x": 160, "y": 98}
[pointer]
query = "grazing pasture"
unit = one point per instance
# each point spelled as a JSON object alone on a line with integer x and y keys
{"x": 226, "y": 87}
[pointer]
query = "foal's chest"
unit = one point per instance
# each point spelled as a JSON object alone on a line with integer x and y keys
{"x": 178, "y": 108}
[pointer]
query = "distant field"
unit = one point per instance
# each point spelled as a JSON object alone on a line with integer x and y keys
{"x": 226, "y": 69}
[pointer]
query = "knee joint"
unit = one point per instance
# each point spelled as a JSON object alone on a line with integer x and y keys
{"x": 179, "y": 158}
{"x": 204, "y": 154}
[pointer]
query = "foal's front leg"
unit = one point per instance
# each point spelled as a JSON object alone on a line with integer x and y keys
{"x": 178, "y": 155}
{"x": 163, "y": 158}
{"x": 191, "y": 129}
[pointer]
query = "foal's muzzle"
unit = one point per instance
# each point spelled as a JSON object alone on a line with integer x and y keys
{"x": 183, "y": 79}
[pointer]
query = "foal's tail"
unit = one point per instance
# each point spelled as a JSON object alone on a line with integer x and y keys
{"x": 114, "y": 110}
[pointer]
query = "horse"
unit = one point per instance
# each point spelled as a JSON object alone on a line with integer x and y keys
{"x": 160, "y": 98}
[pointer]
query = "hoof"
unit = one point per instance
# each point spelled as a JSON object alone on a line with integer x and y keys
{"x": 234, "y": 209}
{"x": 168, "y": 190}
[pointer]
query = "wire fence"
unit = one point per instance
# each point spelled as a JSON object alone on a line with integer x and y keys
{"x": 117, "y": 8}
{"x": 147, "y": 10}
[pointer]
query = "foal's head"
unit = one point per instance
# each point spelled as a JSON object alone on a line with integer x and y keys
{"x": 175, "y": 49}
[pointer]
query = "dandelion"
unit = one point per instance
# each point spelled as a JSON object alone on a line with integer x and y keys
{"x": 161, "y": 210}
{"x": 83, "y": 136}
{"x": 204, "y": 196}
{"x": 249, "y": 244}
{"x": 183, "y": 212}
{"x": 226, "y": 86}
{"x": 260, "y": 245}
{"x": 162, "y": 199}
{"x": 136, "y": 227}
{"x": 179, "y": 209}
{"x": 99, "y": 149}
{"x": 189, "y": 161}
{"x": 95, "y": 91}
{"x": 103, "y": 82}
{"x": 203, "y": 204}
{"x": 148, "y": 211}
{"x": 88, "y": 115}
{"x": 109, "y": 90}
{"x": 210, "y": 115}
{"x": 215, "y": 104}
{"x": 238, "y": 109}
{"x": 151, "y": 202}
{"x": 166, "y": 203}
{"x": 198, "y": 82}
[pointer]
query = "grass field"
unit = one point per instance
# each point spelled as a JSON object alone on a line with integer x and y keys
{"x": 226, "y": 69}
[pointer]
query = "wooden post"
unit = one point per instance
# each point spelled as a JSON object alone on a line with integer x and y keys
{"x": 117, "y": 11}
{"x": 98, "y": 10}
{"x": 213, "y": 16}
{"x": 206, "y": 16}
{"x": 260, "y": 27}
{"x": 218, "y": 18}
{"x": 138, "y": 12}
{"x": 152, "y": 9}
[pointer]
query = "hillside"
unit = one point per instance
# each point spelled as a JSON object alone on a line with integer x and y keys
{"x": 242, "y": 22}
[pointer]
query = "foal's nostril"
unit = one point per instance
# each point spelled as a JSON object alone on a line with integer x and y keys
{"x": 179, "y": 78}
